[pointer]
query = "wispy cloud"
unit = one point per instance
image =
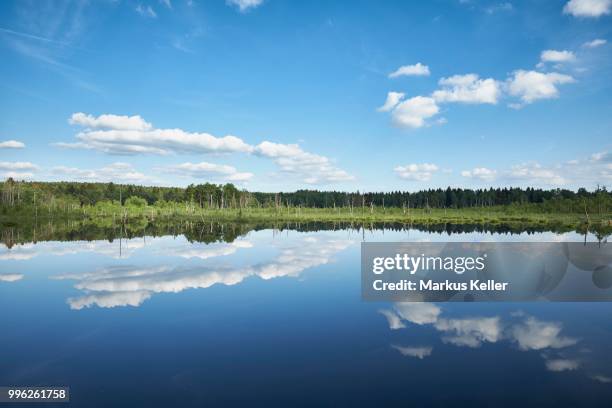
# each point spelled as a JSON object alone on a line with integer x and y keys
{"x": 245, "y": 5}
{"x": 417, "y": 69}
{"x": 598, "y": 42}
{"x": 145, "y": 11}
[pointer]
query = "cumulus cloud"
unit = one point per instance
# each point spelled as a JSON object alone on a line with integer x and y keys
{"x": 18, "y": 170}
{"x": 534, "y": 334}
{"x": 10, "y": 277}
{"x": 588, "y": 8}
{"x": 393, "y": 98}
{"x": 598, "y": 42}
{"x": 115, "y": 172}
{"x": 534, "y": 173}
{"x": 531, "y": 86}
{"x": 481, "y": 173}
{"x": 417, "y": 172}
{"x": 110, "y": 299}
{"x": 18, "y": 166}
{"x": 562, "y": 365}
{"x": 528, "y": 86}
{"x": 557, "y": 56}
{"x": 12, "y": 144}
{"x": 130, "y": 135}
{"x": 417, "y": 352}
{"x": 210, "y": 170}
{"x": 107, "y": 121}
{"x": 417, "y": 69}
{"x": 413, "y": 112}
{"x": 129, "y": 285}
{"x": 157, "y": 141}
{"x": 312, "y": 168}
{"x": 470, "y": 332}
{"x": 467, "y": 88}
{"x": 244, "y": 5}
{"x": 394, "y": 321}
{"x": 418, "y": 312}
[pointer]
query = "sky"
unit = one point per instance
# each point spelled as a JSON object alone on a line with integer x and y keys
{"x": 277, "y": 95}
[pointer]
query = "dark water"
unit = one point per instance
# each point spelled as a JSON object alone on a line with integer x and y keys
{"x": 275, "y": 318}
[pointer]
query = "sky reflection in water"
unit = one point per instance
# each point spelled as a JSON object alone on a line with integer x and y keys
{"x": 277, "y": 318}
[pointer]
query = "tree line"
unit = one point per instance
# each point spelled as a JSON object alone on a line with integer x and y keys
{"x": 220, "y": 196}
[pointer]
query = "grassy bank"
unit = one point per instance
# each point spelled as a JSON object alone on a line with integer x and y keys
{"x": 116, "y": 214}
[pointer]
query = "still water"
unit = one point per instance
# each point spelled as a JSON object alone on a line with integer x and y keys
{"x": 275, "y": 318}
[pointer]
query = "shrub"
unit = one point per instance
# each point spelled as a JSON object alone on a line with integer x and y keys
{"x": 136, "y": 202}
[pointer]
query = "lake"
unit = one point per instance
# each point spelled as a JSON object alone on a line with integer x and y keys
{"x": 274, "y": 317}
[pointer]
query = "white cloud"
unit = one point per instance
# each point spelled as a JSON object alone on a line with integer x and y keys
{"x": 418, "y": 312}
{"x": 10, "y": 277}
{"x": 18, "y": 166}
{"x": 129, "y": 135}
{"x": 604, "y": 157}
{"x": 205, "y": 170}
{"x": 312, "y": 168}
{"x": 110, "y": 299}
{"x": 25, "y": 252}
{"x": 18, "y": 170}
{"x": 166, "y": 3}
{"x": 470, "y": 332}
{"x": 130, "y": 286}
{"x": 244, "y": 5}
{"x": 146, "y": 11}
{"x": 417, "y": 69}
{"x": 557, "y": 56}
{"x": 534, "y": 173}
{"x": 531, "y": 86}
{"x": 588, "y": 8}
{"x": 394, "y": 321}
{"x": 481, "y": 173}
{"x": 413, "y": 112}
{"x": 534, "y": 334}
{"x": 109, "y": 121}
{"x": 467, "y": 88}
{"x": 558, "y": 365}
{"x": 115, "y": 172}
{"x": 393, "y": 98}
{"x": 598, "y": 42}
{"x": 417, "y": 172}
{"x": 125, "y": 135}
{"x": 206, "y": 251}
{"x": 417, "y": 352}
{"x": 602, "y": 378}
{"x": 11, "y": 144}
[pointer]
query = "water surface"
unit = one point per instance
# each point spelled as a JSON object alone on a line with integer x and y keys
{"x": 274, "y": 317}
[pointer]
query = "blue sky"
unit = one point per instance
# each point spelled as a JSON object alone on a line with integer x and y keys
{"x": 279, "y": 95}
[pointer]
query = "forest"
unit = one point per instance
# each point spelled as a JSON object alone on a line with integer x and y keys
{"x": 22, "y": 194}
{"x": 108, "y": 206}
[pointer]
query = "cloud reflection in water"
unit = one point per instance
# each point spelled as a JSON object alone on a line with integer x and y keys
{"x": 131, "y": 285}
